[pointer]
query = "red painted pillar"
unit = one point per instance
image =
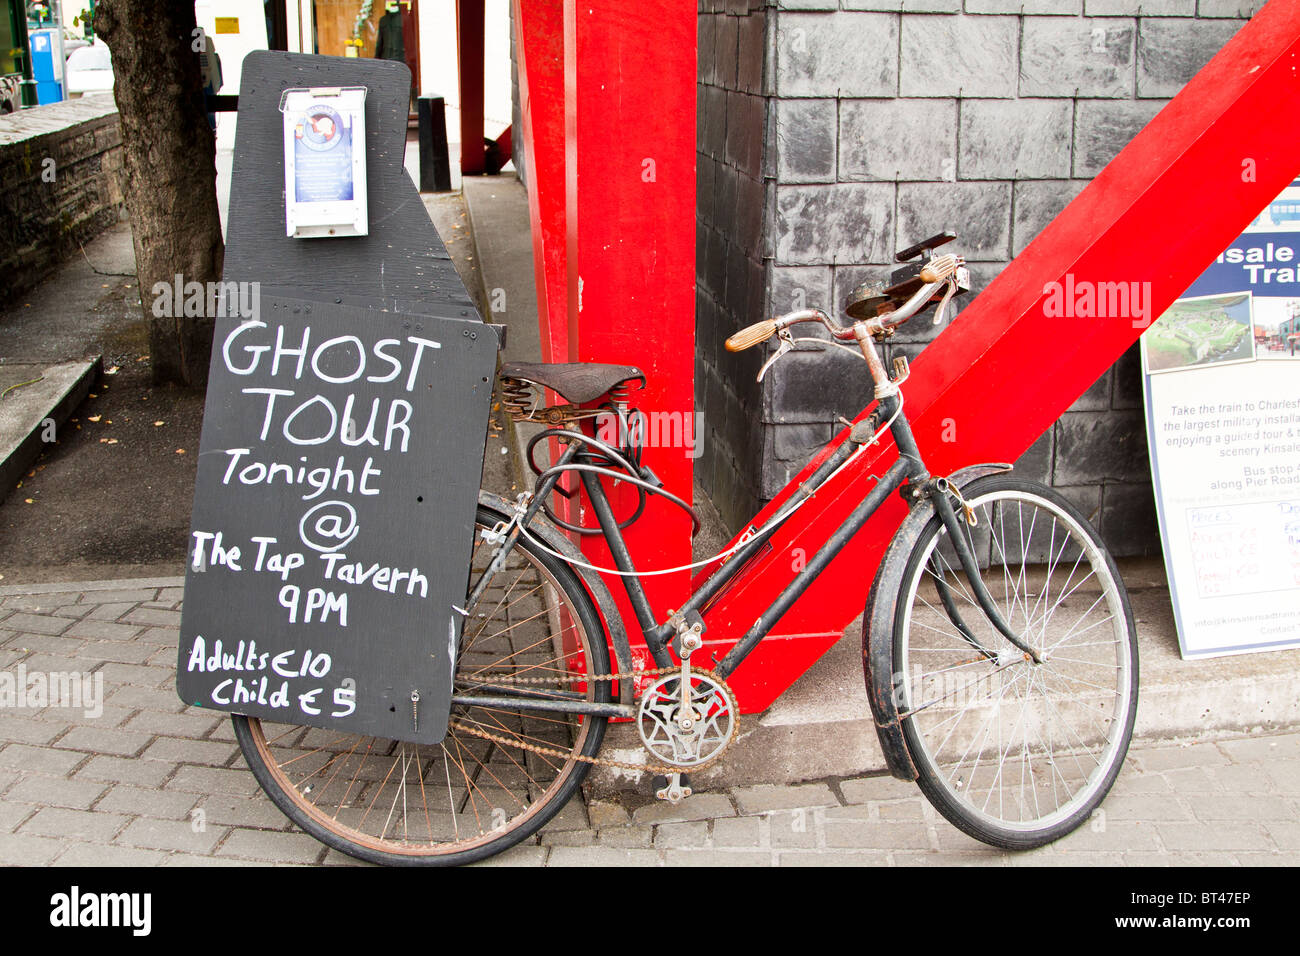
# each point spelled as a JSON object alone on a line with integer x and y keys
{"x": 539, "y": 55}
{"x": 469, "y": 47}
{"x": 630, "y": 73}
{"x": 607, "y": 93}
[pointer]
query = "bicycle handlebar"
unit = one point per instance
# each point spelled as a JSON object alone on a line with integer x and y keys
{"x": 940, "y": 271}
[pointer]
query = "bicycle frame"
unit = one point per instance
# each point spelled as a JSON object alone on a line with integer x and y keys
{"x": 907, "y": 470}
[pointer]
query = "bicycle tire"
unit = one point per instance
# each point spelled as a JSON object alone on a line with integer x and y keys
{"x": 475, "y": 779}
{"x": 1050, "y": 702}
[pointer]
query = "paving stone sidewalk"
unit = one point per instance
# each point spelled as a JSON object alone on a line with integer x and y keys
{"x": 128, "y": 786}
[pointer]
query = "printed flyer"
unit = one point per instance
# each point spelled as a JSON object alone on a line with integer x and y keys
{"x": 1222, "y": 384}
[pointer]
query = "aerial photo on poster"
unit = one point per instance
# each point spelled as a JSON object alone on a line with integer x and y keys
{"x": 1208, "y": 330}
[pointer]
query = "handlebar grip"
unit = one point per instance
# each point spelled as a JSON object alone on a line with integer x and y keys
{"x": 939, "y": 268}
{"x": 751, "y": 336}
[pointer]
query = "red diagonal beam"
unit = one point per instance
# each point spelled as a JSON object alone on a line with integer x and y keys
{"x": 1006, "y": 370}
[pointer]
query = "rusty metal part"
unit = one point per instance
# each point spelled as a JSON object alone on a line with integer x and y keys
{"x": 865, "y": 301}
{"x": 618, "y": 395}
{"x": 674, "y": 792}
{"x": 517, "y": 398}
{"x": 558, "y": 414}
{"x": 865, "y": 332}
{"x": 522, "y": 401}
{"x": 876, "y": 298}
{"x": 686, "y": 725}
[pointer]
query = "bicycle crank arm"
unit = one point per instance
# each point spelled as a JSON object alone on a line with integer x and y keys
{"x": 944, "y": 507}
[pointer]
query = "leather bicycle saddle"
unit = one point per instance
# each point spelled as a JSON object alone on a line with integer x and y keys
{"x": 577, "y": 382}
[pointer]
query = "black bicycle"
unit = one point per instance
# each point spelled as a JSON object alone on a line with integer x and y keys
{"x": 999, "y": 646}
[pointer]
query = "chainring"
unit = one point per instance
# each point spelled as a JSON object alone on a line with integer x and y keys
{"x": 716, "y": 723}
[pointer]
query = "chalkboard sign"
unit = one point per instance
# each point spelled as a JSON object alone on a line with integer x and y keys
{"x": 339, "y": 468}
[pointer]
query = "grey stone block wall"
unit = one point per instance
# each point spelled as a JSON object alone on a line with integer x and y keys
{"x": 60, "y": 166}
{"x": 833, "y": 132}
{"x": 735, "y": 178}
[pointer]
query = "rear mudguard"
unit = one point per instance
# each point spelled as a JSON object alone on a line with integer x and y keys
{"x": 554, "y": 539}
{"x": 878, "y": 625}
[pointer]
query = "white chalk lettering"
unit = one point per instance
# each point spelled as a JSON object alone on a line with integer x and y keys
{"x": 324, "y": 348}
{"x": 337, "y": 568}
{"x": 317, "y": 600}
{"x": 216, "y": 554}
{"x": 319, "y": 480}
{"x": 317, "y": 430}
{"x": 294, "y": 358}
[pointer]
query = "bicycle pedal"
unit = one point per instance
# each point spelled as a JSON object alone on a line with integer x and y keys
{"x": 673, "y": 789}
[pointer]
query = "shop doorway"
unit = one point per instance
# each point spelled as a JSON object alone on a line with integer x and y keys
{"x": 340, "y": 31}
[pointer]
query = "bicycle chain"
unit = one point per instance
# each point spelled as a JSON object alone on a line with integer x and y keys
{"x": 606, "y": 761}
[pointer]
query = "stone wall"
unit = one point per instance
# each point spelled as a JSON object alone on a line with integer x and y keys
{"x": 833, "y": 132}
{"x": 60, "y": 167}
{"x": 732, "y": 261}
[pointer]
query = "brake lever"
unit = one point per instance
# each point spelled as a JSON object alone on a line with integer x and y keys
{"x": 787, "y": 345}
{"x": 943, "y": 303}
{"x": 791, "y": 344}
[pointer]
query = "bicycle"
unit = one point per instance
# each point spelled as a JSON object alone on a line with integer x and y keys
{"x": 1013, "y": 712}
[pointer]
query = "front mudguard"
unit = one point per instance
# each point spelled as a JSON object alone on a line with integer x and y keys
{"x": 878, "y": 625}
{"x": 554, "y": 539}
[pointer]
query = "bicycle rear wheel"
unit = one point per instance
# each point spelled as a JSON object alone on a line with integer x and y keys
{"x": 1014, "y": 753}
{"x": 501, "y": 772}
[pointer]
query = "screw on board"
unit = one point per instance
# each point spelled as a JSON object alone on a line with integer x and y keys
{"x": 415, "y": 710}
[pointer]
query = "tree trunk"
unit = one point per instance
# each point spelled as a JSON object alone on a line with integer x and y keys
{"x": 170, "y": 173}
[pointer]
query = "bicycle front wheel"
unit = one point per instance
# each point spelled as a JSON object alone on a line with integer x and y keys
{"x": 1012, "y": 752}
{"x": 500, "y": 773}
